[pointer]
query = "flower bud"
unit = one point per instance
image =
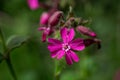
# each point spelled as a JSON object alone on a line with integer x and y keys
{"x": 55, "y": 18}
{"x": 86, "y": 31}
{"x": 44, "y": 18}
{"x": 88, "y": 42}
{"x": 33, "y": 4}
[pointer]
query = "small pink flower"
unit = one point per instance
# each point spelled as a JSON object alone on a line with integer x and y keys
{"x": 66, "y": 47}
{"x": 86, "y": 31}
{"x": 44, "y": 18}
{"x": 46, "y": 32}
{"x": 33, "y": 4}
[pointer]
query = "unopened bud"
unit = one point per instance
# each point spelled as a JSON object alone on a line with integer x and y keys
{"x": 86, "y": 31}
{"x": 98, "y": 42}
{"x": 44, "y": 18}
{"x": 55, "y": 18}
{"x": 88, "y": 42}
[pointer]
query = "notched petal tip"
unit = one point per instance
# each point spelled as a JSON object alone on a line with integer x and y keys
{"x": 71, "y": 34}
{"x": 68, "y": 59}
{"x": 74, "y": 56}
{"x": 61, "y": 53}
{"x": 63, "y": 33}
{"x": 77, "y": 44}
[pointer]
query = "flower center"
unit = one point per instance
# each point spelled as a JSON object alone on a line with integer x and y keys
{"x": 65, "y": 47}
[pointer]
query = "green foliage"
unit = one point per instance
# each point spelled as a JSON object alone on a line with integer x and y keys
{"x": 15, "y": 42}
{"x": 1, "y": 57}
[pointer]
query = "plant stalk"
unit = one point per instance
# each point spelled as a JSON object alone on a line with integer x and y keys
{"x": 57, "y": 71}
{"x": 10, "y": 66}
{"x": 7, "y": 56}
{"x": 3, "y": 40}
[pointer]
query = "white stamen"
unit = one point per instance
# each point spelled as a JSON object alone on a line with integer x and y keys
{"x": 65, "y": 47}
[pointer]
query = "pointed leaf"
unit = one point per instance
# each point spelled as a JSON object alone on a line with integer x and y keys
{"x": 15, "y": 42}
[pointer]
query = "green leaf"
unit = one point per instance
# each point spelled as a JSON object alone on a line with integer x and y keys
{"x": 16, "y": 41}
{"x": 1, "y": 57}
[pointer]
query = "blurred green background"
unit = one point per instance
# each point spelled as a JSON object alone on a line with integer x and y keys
{"x": 32, "y": 61}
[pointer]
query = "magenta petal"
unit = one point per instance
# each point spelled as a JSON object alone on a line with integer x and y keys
{"x": 44, "y": 18}
{"x": 71, "y": 34}
{"x": 33, "y": 4}
{"x": 63, "y": 33}
{"x": 53, "y": 48}
{"x": 68, "y": 59}
{"x": 44, "y": 37}
{"x": 74, "y": 56}
{"x": 92, "y": 34}
{"x": 77, "y": 44}
{"x": 79, "y": 47}
{"x": 54, "y": 41}
{"x": 54, "y": 54}
{"x": 61, "y": 53}
{"x": 41, "y": 28}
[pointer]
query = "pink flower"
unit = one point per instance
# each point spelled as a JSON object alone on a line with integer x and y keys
{"x": 86, "y": 31}
{"x": 46, "y": 32}
{"x": 33, "y": 4}
{"x": 66, "y": 47}
{"x": 44, "y": 18}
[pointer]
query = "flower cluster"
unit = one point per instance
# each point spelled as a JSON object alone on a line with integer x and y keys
{"x": 54, "y": 23}
{"x": 48, "y": 23}
{"x": 66, "y": 44}
{"x": 47, "y": 19}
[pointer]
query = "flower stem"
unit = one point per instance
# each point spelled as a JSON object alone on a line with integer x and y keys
{"x": 57, "y": 77}
{"x": 57, "y": 71}
{"x": 10, "y": 66}
{"x": 3, "y": 40}
{"x": 7, "y": 55}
